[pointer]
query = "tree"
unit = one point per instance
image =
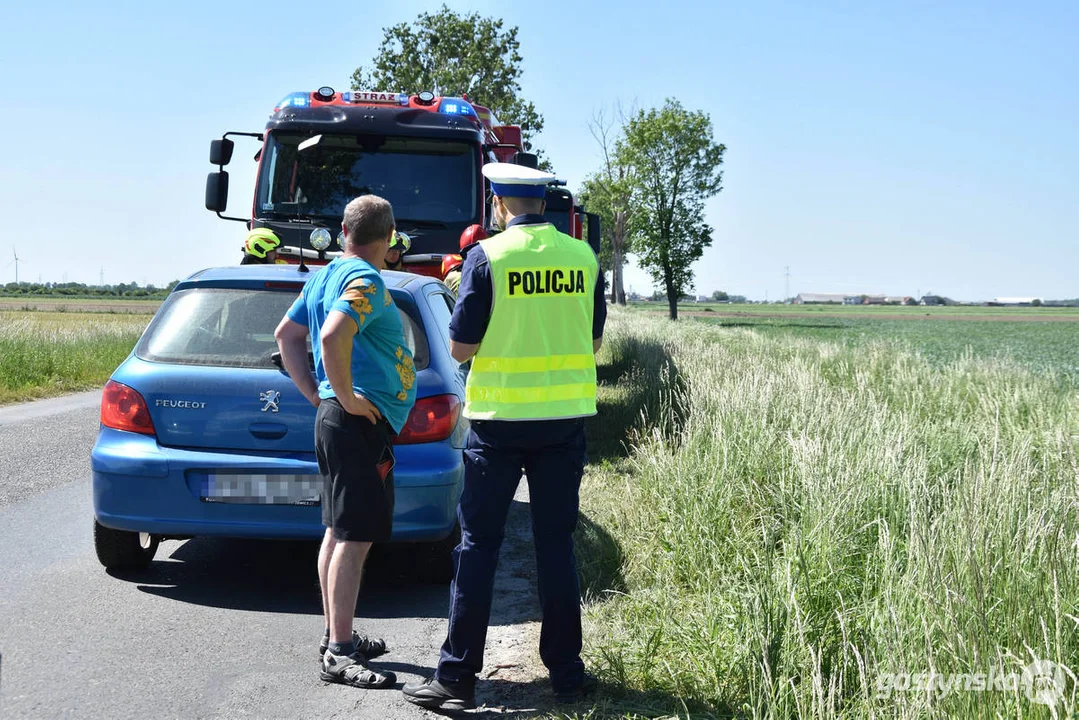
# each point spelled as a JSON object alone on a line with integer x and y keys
{"x": 720, "y": 296}
{"x": 675, "y": 163}
{"x": 609, "y": 194}
{"x": 455, "y": 55}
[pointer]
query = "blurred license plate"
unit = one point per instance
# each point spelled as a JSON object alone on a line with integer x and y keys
{"x": 263, "y": 489}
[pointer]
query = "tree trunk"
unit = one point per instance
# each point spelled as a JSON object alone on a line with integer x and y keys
{"x": 618, "y": 295}
{"x": 672, "y": 294}
{"x": 618, "y": 242}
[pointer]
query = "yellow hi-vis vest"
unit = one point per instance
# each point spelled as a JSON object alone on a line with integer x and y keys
{"x": 535, "y": 361}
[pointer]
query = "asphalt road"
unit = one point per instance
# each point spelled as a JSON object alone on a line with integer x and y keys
{"x": 215, "y": 628}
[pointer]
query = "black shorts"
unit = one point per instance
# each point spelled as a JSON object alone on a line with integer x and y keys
{"x": 355, "y": 459}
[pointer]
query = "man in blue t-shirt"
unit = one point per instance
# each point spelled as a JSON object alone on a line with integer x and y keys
{"x": 364, "y": 388}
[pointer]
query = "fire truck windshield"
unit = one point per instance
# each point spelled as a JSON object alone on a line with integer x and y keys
{"x": 426, "y": 180}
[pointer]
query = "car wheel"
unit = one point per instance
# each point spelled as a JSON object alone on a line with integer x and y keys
{"x": 123, "y": 550}
{"x": 440, "y": 556}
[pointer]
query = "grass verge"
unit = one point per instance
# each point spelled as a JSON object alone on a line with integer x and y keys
{"x": 45, "y": 354}
{"x": 787, "y": 527}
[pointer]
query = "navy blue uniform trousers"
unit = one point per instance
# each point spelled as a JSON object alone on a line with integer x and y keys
{"x": 552, "y": 455}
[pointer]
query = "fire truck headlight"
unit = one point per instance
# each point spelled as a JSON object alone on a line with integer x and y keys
{"x": 320, "y": 239}
{"x": 341, "y": 239}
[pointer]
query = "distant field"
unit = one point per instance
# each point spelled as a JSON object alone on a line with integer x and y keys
{"x": 91, "y": 305}
{"x": 1045, "y": 339}
{"x": 1043, "y": 346}
{"x": 903, "y": 311}
{"x": 51, "y": 353}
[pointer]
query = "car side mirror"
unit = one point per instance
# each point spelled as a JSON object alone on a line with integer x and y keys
{"x": 221, "y": 151}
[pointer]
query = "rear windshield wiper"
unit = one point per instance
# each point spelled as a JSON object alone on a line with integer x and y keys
{"x": 275, "y": 358}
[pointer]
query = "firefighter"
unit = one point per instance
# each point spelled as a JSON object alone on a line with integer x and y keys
{"x": 260, "y": 247}
{"x": 395, "y": 257}
{"x": 530, "y": 313}
{"x": 451, "y": 264}
{"x": 451, "y": 271}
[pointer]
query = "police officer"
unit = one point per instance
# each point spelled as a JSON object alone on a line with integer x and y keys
{"x": 260, "y": 247}
{"x": 530, "y": 314}
{"x": 398, "y": 247}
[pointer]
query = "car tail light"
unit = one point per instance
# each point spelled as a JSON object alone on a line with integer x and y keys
{"x": 122, "y": 408}
{"x": 432, "y": 419}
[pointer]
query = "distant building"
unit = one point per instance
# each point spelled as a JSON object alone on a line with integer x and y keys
{"x": 820, "y": 299}
{"x": 936, "y": 300}
{"x": 1016, "y": 301}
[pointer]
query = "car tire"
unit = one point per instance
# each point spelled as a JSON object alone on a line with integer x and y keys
{"x": 440, "y": 556}
{"x": 123, "y": 550}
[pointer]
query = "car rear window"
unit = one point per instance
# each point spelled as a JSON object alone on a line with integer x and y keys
{"x": 232, "y": 327}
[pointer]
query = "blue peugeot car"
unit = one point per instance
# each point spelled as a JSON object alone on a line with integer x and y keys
{"x": 203, "y": 433}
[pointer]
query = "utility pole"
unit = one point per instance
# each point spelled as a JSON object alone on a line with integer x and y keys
{"x": 787, "y": 291}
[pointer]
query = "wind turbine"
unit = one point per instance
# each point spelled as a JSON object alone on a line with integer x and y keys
{"x": 15, "y": 262}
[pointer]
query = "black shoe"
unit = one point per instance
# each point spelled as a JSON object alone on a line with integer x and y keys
{"x": 434, "y": 694}
{"x": 370, "y": 648}
{"x": 587, "y": 687}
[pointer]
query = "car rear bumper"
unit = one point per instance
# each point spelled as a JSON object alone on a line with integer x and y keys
{"x": 140, "y": 486}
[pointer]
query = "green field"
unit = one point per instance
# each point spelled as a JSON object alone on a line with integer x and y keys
{"x": 785, "y": 521}
{"x": 1045, "y": 339}
{"x": 1048, "y": 346}
{"x": 50, "y": 353}
{"x": 916, "y": 311}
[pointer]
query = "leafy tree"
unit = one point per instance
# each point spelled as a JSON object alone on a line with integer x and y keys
{"x": 609, "y": 194}
{"x": 676, "y": 167}
{"x": 453, "y": 54}
{"x": 720, "y": 296}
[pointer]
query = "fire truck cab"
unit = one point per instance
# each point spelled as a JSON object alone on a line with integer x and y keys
{"x": 421, "y": 152}
{"x": 320, "y": 149}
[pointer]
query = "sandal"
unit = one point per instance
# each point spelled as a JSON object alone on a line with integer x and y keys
{"x": 370, "y": 648}
{"x": 353, "y": 670}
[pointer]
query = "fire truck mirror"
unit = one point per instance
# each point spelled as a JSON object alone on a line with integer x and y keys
{"x": 530, "y": 160}
{"x": 217, "y": 191}
{"x": 594, "y": 231}
{"x": 221, "y": 151}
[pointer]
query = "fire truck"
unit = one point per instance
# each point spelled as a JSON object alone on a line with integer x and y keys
{"x": 421, "y": 152}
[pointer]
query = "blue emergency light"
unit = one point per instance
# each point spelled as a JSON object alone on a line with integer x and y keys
{"x": 457, "y": 106}
{"x": 294, "y": 99}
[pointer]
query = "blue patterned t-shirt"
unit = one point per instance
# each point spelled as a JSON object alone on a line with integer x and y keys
{"x": 382, "y": 367}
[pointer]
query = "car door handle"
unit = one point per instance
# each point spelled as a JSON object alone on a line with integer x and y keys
{"x": 268, "y": 431}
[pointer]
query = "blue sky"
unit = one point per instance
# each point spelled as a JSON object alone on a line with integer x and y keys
{"x": 921, "y": 146}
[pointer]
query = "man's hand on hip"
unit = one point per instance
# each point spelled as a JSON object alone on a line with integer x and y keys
{"x": 359, "y": 405}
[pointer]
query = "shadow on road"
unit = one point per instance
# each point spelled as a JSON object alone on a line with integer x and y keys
{"x": 281, "y": 576}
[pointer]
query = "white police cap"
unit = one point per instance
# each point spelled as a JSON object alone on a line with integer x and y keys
{"x": 510, "y": 180}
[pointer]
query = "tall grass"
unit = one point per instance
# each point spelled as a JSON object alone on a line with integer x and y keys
{"x": 794, "y": 520}
{"x": 43, "y": 354}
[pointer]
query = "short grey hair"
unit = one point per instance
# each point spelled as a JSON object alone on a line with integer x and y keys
{"x": 368, "y": 219}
